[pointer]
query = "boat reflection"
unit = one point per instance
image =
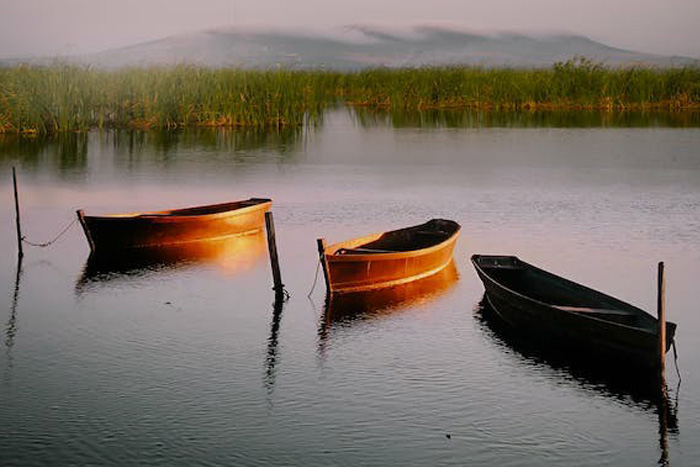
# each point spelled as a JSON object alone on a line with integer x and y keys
{"x": 343, "y": 309}
{"x": 630, "y": 388}
{"x": 231, "y": 255}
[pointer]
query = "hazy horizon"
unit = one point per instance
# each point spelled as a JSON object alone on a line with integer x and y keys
{"x": 67, "y": 27}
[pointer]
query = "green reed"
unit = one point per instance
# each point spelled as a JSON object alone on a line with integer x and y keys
{"x": 575, "y": 84}
{"x": 66, "y": 98}
{"x": 72, "y": 98}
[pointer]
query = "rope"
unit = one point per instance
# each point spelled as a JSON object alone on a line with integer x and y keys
{"x": 50, "y": 242}
{"x": 318, "y": 266}
{"x": 675, "y": 360}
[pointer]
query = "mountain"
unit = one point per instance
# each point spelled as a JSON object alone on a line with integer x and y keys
{"x": 361, "y": 47}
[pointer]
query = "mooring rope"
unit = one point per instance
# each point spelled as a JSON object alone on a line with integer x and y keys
{"x": 318, "y": 266}
{"x": 54, "y": 240}
{"x": 675, "y": 360}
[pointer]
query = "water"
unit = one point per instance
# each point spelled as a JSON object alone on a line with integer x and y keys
{"x": 191, "y": 363}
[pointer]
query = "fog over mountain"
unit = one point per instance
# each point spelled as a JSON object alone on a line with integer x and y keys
{"x": 358, "y": 47}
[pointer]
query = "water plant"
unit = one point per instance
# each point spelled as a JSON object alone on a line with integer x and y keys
{"x": 63, "y": 97}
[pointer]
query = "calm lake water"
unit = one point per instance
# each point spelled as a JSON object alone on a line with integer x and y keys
{"x": 191, "y": 362}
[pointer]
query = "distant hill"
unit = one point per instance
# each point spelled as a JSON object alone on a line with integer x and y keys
{"x": 362, "y": 47}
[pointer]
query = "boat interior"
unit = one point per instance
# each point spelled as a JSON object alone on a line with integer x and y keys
{"x": 418, "y": 237}
{"x": 558, "y": 292}
{"x": 211, "y": 209}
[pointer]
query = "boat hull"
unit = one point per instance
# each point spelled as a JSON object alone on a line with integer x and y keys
{"x": 631, "y": 339}
{"x": 364, "y": 272}
{"x": 129, "y": 232}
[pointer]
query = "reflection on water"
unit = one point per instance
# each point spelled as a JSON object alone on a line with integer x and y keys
{"x": 135, "y": 143}
{"x": 272, "y": 354}
{"x": 67, "y": 153}
{"x": 233, "y": 255}
{"x": 630, "y": 388}
{"x": 11, "y": 326}
{"x": 344, "y": 309}
{"x": 452, "y": 118}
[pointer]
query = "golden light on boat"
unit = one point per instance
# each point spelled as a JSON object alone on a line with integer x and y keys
{"x": 390, "y": 258}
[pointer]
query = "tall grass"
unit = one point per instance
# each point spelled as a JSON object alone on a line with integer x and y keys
{"x": 68, "y": 98}
{"x": 571, "y": 85}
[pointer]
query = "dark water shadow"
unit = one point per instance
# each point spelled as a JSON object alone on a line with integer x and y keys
{"x": 235, "y": 254}
{"x": 470, "y": 118}
{"x": 11, "y": 326}
{"x": 66, "y": 155}
{"x": 346, "y": 310}
{"x": 632, "y": 389}
{"x": 272, "y": 355}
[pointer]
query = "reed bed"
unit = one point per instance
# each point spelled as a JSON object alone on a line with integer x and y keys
{"x": 70, "y": 98}
{"x": 573, "y": 85}
{"x": 63, "y": 97}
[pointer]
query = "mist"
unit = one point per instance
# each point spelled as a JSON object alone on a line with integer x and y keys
{"x": 67, "y": 27}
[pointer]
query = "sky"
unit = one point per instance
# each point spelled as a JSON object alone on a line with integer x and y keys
{"x": 64, "y": 27}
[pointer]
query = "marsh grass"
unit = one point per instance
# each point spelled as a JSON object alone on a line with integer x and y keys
{"x": 63, "y": 97}
{"x": 578, "y": 84}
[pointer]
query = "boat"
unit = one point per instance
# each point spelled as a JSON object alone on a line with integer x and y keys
{"x": 389, "y": 258}
{"x": 116, "y": 233}
{"x": 568, "y": 315}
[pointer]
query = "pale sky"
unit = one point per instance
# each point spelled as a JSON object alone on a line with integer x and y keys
{"x": 61, "y": 27}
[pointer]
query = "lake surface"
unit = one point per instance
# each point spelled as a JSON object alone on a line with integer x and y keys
{"x": 192, "y": 363}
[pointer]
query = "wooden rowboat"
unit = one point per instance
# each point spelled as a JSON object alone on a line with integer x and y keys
{"x": 129, "y": 232}
{"x": 570, "y": 315}
{"x": 389, "y": 258}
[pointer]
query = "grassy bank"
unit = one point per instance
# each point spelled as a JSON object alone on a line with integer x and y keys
{"x": 69, "y": 98}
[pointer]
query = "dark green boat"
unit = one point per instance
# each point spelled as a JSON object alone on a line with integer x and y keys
{"x": 569, "y": 315}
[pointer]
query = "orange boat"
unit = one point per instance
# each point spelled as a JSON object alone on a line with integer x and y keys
{"x": 124, "y": 232}
{"x": 389, "y": 258}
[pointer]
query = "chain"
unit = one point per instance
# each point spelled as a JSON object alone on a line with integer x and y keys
{"x": 50, "y": 242}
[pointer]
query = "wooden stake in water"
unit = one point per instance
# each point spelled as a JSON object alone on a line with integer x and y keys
{"x": 321, "y": 244}
{"x": 661, "y": 314}
{"x": 272, "y": 248}
{"x": 17, "y": 221}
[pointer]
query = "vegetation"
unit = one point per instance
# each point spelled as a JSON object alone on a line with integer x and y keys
{"x": 72, "y": 98}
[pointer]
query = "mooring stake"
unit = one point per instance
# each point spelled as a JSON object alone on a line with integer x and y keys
{"x": 17, "y": 221}
{"x": 321, "y": 244}
{"x": 278, "y": 286}
{"x": 661, "y": 314}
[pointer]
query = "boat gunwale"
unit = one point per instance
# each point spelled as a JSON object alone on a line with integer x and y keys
{"x": 560, "y": 310}
{"x": 330, "y": 250}
{"x": 167, "y": 216}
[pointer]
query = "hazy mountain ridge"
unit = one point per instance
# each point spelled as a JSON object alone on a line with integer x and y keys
{"x": 362, "y": 47}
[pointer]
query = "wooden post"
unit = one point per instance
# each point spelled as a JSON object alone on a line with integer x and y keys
{"x": 17, "y": 221}
{"x": 272, "y": 248}
{"x": 321, "y": 244}
{"x": 661, "y": 314}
